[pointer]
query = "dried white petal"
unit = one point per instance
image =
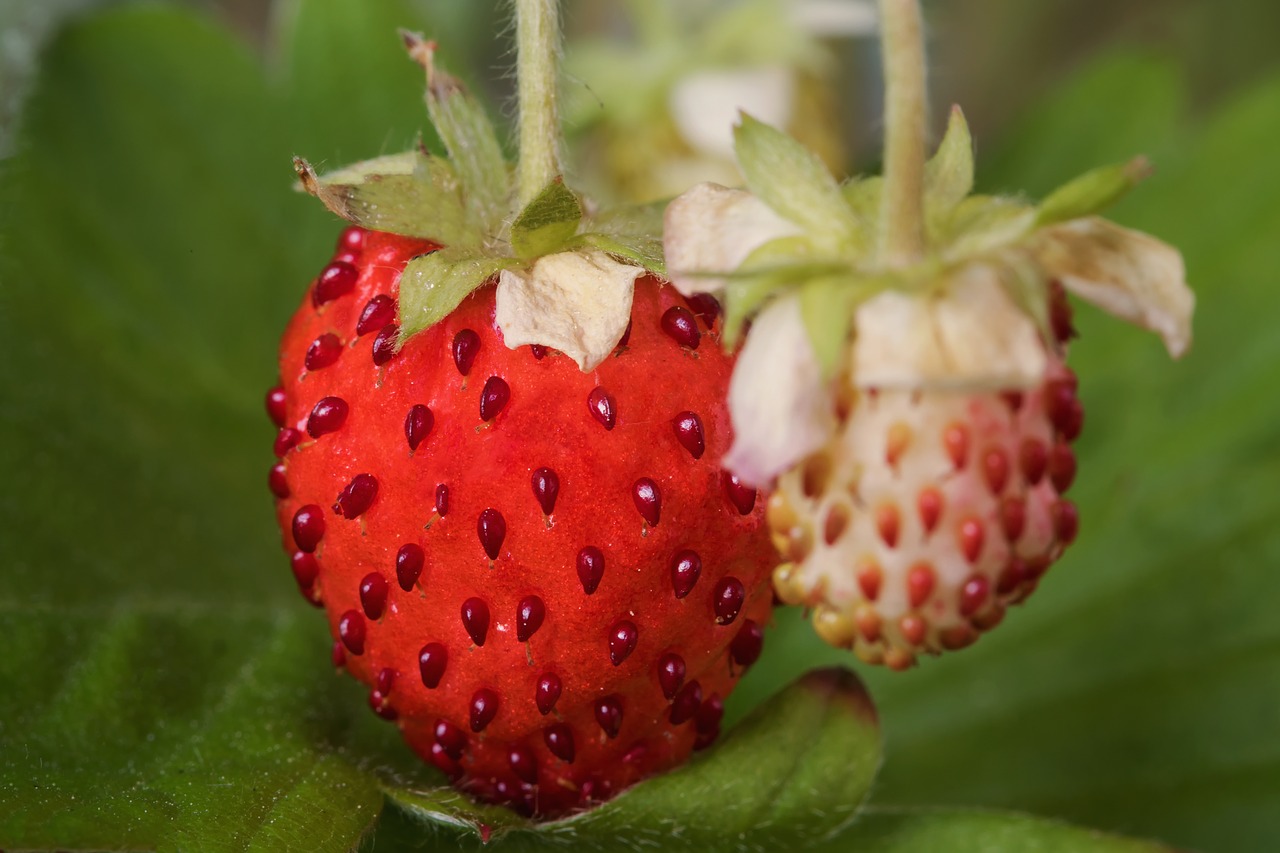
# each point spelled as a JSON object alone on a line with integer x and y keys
{"x": 576, "y": 302}
{"x": 969, "y": 336}
{"x": 835, "y": 18}
{"x": 712, "y": 229}
{"x": 1130, "y": 274}
{"x": 705, "y": 105}
{"x": 779, "y": 405}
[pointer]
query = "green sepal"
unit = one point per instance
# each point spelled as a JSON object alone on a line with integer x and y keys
{"x": 1092, "y": 192}
{"x": 410, "y": 193}
{"x": 948, "y": 176}
{"x": 468, "y": 136}
{"x": 981, "y": 223}
{"x": 793, "y": 181}
{"x": 827, "y": 308}
{"x": 548, "y": 223}
{"x": 631, "y": 232}
{"x": 863, "y": 196}
{"x": 431, "y": 286}
{"x": 1025, "y": 283}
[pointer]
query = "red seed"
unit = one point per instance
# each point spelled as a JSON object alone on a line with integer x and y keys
{"x": 609, "y": 714}
{"x": 491, "y": 527}
{"x": 1066, "y": 521}
{"x": 547, "y": 693}
{"x": 308, "y": 527}
{"x": 686, "y": 566}
{"x": 1013, "y": 517}
{"x": 1060, "y": 313}
{"x": 1012, "y": 576}
{"x": 888, "y": 524}
{"x": 706, "y": 306}
{"x": 305, "y": 570}
{"x": 896, "y": 443}
{"x": 648, "y": 500}
{"x": 286, "y": 439}
{"x": 494, "y": 397}
{"x": 602, "y": 407}
{"x": 409, "y": 562}
{"x": 442, "y": 500}
{"x": 747, "y": 646}
{"x": 384, "y": 345}
{"x": 710, "y": 713}
{"x": 929, "y": 505}
{"x": 328, "y": 415}
{"x": 686, "y": 703}
{"x": 523, "y": 764}
{"x": 1062, "y": 467}
{"x": 671, "y": 673}
{"x": 590, "y": 568}
{"x": 378, "y": 312}
{"x": 559, "y": 740}
{"x": 681, "y": 327}
{"x": 323, "y": 352}
{"x": 705, "y": 739}
{"x": 484, "y": 707}
{"x": 971, "y": 536}
{"x": 955, "y": 439}
{"x": 338, "y": 655}
{"x": 1059, "y": 397}
{"x": 351, "y": 240}
{"x": 538, "y": 350}
{"x": 546, "y": 488}
{"x": 466, "y": 346}
{"x": 973, "y": 594}
{"x": 913, "y": 628}
{"x": 995, "y": 467}
{"x": 728, "y": 597}
{"x": 635, "y": 754}
{"x": 432, "y": 661}
{"x": 1072, "y": 422}
{"x": 529, "y": 615}
{"x": 921, "y": 580}
{"x": 742, "y": 497}
{"x": 1034, "y": 459}
{"x": 276, "y": 405}
{"x": 373, "y": 595}
{"x": 688, "y": 429}
{"x": 336, "y": 279}
{"x": 381, "y": 705}
{"x": 418, "y": 425}
{"x": 351, "y": 631}
{"x": 385, "y": 681}
{"x": 622, "y": 641}
{"x": 475, "y": 618}
{"x": 870, "y": 577}
{"x": 278, "y": 482}
{"x": 451, "y": 738}
{"x": 355, "y": 500}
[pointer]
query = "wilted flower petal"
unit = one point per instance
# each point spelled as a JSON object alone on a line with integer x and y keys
{"x": 968, "y": 335}
{"x": 576, "y": 302}
{"x": 712, "y": 229}
{"x": 780, "y": 406}
{"x": 1130, "y": 274}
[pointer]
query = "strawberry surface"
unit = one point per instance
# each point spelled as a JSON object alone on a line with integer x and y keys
{"x": 543, "y": 575}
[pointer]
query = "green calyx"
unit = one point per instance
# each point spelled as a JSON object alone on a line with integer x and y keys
{"x": 833, "y": 264}
{"x": 467, "y": 201}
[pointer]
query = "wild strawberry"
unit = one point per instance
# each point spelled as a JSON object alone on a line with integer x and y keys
{"x": 903, "y": 381}
{"x": 538, "y": 571}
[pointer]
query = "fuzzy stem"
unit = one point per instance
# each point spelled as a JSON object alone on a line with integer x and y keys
{"x": 902, "y": 239}
{"x": 538, "y": 50}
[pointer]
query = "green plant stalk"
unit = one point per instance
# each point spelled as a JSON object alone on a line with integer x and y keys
{"x": 902, "y": 239}
{"x": 537, "y": 55}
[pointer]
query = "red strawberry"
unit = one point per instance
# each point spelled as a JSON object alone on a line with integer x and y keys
{"x": 543, "y": 575}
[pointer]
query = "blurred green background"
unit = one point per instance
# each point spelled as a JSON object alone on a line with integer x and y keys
{"x": 164, "y": 686}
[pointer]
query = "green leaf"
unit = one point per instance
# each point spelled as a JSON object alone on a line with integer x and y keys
{"x": 879, "y": 830}
{"x": 431, "y": 286}
{"x": 948, "y": 176}
{"x": 793, "y": 181}
{"x": 1092, "y": 192}
{"x": 548, "y": 223}
{"x": 411, "y": 193}
{"x": 469, "y": 139}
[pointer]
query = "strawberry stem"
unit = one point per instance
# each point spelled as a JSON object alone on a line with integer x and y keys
{"x": 537, "y": 52}
{"x": 902, "y": 240}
